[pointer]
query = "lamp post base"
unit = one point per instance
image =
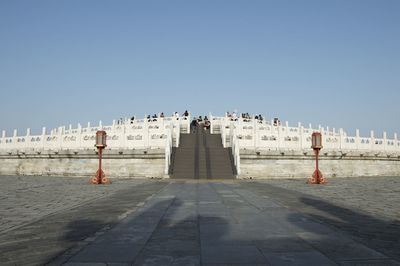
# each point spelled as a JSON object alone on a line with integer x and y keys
{"x": 317, "y": 178}
{"x": 100, "y": 178}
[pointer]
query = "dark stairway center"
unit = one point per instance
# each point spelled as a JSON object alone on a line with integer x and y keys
{"x": 200, "y": 155}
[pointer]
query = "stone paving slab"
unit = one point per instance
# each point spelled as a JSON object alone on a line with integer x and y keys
{"x": 203, "y": 223}
{"x": 27, "y": 198}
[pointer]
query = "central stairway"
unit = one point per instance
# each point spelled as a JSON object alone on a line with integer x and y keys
{"x": 201, "y": 156}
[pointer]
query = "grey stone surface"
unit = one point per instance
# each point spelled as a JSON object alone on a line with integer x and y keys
{"x": 200, "y": 223}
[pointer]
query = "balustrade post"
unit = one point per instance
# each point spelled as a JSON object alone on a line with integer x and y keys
{"x": 177, "y": 132}
{"x": 323, "y": 133}
{"x": 357, "y": 139}
{"x": 43, "y": 140}
{"x": 15, "y": 137}
{"x": 27, "y": 143}
{"x": 255, "y": 133}
{"x": 3, "y": 139}
{"x": 210, "y": 117}
{"x": 372, "y": 140}
{"x": 3, "y": 136}
{"x": 146, "y": 134}
{"x": 385, "y": 141}
{"x": 79, "y": 136}
{"x": 60, "y": 137}
{"x": 341, "y": 139}
{"x": 122, "y": 136}
{"x": 280, "y": 137}
{"x": 301, "y": 136}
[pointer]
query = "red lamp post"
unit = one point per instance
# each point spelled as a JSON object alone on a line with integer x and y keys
{"x": 316, "y": 145}
{"x": 100, "y": 177}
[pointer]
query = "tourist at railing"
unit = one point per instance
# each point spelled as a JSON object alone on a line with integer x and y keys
{"x": 234, "y": 117}
{"x": 246, "y": 117}
{"x": 132, "y": 119}
{"x": 186, "y": 113}
{"x": 259, "y": 118}
{"x": 162, "y": 115}
{"x": 176, "y": 115}
{"x": 193, "y": 125}
{"x": 207, "y": 123}
{"x": 277, "y": 122}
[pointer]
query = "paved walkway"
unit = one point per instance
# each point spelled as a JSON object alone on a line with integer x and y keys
{"x": 204, "y": 223}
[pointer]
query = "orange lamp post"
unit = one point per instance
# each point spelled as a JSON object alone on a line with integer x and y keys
{"x": 316, "y": 145}
{"x": 100, "y": 177}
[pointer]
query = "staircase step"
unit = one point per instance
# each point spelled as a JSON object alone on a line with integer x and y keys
{"x": 202, "y": 156}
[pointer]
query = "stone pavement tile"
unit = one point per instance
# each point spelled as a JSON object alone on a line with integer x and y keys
{"x": 283, "y": 244}
{"x": 226, "y": 220}
{"x": 231, "y": 255}
{"x": 85, "y": 264}
{"x": 175, "y": 248}
{"x": 340, "y": 247}
{"x": 158, "y": 260}
{"x": 235, "y": 264}
{"x": 108, "y": 253}
{"x": 304, "y": 258}
{"x": 382, "y": 262}
{"x": 175, "y": 233}
{"x": 121, "y": 237}
{"x": 184, "y": 224}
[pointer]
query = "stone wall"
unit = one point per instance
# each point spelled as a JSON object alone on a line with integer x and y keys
{"x": 274, "y": 164}
{"x": 122, "y": 163}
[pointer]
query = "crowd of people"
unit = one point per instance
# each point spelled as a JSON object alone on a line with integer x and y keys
{"x": 245, "y": 116}
{"x": 204, "y": 122}
{"x": 200, "y": 122}
{"x": 162, "y": 115}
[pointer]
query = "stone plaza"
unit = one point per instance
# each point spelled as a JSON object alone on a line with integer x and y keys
{"x": 63, "y": 220}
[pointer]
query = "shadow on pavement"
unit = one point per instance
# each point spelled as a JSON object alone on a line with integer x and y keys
{"x": 375, "y": 233}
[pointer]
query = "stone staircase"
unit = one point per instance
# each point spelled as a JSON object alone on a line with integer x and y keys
{"x": 202, "y": 156}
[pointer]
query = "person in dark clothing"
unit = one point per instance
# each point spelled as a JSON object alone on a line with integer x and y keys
{"x": 206, "y": 123}
{"x": 193, "y": 125}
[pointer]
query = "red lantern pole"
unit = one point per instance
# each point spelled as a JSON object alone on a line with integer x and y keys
{"x": 317, "y": 177}
{"x": 100, "y": 177}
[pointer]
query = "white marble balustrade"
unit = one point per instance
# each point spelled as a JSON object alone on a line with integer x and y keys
{"x": 138, "y": 134}
{"x": 253, "y": 134}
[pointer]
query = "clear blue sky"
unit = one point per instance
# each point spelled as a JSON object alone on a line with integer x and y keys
{"x": 335, "y": 63}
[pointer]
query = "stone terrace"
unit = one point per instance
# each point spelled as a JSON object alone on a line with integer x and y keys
{"x": 47, "y": 220}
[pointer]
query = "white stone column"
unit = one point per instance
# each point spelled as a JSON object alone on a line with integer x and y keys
{"x": 255, "y": 135}
{"x": 372, "y": 140}
{"x": 15, "y": 137}
{"x": 43, "y": 138}
{"x": 341, "y": 139}
{"x": 357, "y": 139}
{"x": 60, "y": 138}
{"x": 146, "y": 133}
{"x": 385, "y": 141}
{"x": 28, "y": 143}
